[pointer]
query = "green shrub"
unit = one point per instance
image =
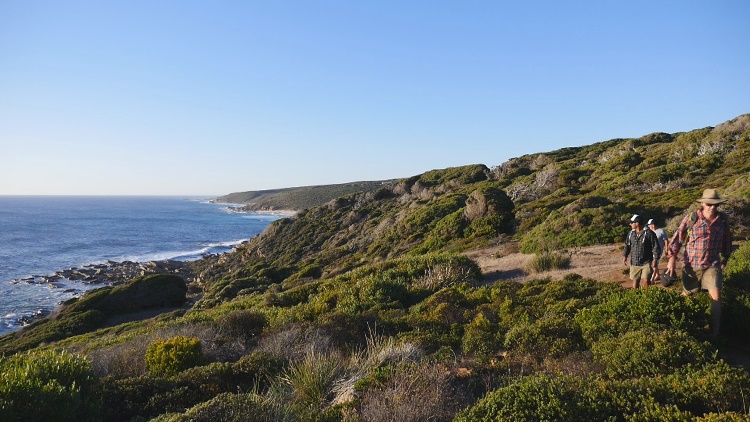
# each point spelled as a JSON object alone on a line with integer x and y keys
{"x": 480, "y": 337}
{"x": 257, "y": 369}
{"x": 649, "y": 352}
{"x": 715, "y": 387}
{"x": 165, "y": 357}
{"x": 632, "y": 309}
{"x": 547, "y": 261}
{"x": 550, "y": 336}
{"x": 540, "y": 398}
{"x": 691, "y": 391}
{"x": 228, "y": 407}
{"x": 46, "y": 386}
{"x": 244, "y": 323}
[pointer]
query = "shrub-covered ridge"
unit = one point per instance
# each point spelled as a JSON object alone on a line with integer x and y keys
{"x": 363, "y": 309}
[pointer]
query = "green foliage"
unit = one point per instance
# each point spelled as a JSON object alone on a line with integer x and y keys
{"x": 46, "y": 386}
{"x": 165, "y": 357}
{"x": 231, "y": 407}
{"x": 688, "y": 392}
{"x": 649, "y": 352}
{"x": 149, "y": 396}
{"x": 243, "y": 323}
{"x": 539, "y": 398}
{"x": 549, "y": 261}
{"x": 638, "y": 308}
{"x": 551, "y": 336}
{"x": 480, "y": 337}
{"x": 312, "y": 379}
{"x": 153, "y": 291}
{"x": 48, "y": 330}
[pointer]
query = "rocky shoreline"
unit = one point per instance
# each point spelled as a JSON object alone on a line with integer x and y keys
{"x": 110, "y": 273}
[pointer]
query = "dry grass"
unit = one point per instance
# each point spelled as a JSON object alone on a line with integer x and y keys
{"x": 417, "y": 392}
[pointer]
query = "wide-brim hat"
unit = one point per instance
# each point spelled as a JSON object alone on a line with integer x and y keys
{"x": 711, "y": 196}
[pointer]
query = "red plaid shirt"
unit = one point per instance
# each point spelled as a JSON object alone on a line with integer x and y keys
{"x": 707, "y": 241}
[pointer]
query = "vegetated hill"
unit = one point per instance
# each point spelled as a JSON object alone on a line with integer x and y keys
{"x": 561, "y": 199}
{"x": 578, "y": 196}
{"x": 297, "y": 198}
{"x": 364, "y": 309}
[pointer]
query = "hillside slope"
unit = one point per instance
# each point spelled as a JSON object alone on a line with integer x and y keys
{"x": 412, "y": 302}
{"x": 298, "y": 198}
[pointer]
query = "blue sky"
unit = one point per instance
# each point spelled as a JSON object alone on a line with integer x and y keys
{"x": 211, "y": 97}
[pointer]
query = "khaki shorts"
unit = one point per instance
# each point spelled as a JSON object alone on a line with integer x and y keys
{"x": 694, "y": 279}
{"x": 640, "y": 272}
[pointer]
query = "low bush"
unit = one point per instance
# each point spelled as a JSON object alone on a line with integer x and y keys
{"x": 228, "y": 407}
{"x": 244, "y": 323}
{"x": 166, "y": 357}
{"x": 548, "y": 337}
{"x": 689, "y": 392}
{"x": 480, "y": 338}
{"x": 46, "y": 386}
{"x": 632, "y": 309}
{"x": 649, "y": 352}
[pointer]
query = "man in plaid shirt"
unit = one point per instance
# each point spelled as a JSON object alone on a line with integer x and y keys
{"x": 708, "y": 244}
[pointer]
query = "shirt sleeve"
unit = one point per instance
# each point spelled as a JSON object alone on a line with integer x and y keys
{"x": 655, "y": 248}
{"x": 626, "y": 251}
{"x": 678, "y": 237}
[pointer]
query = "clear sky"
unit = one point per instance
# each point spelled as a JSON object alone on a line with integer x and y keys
{"x": 210, "y": 97}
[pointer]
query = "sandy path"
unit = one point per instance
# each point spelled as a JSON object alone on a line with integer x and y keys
{"x": 601, "y": 262}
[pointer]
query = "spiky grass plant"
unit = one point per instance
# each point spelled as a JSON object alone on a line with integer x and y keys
{"x": 547, "y": 261}
{"x": 312, "y": 379}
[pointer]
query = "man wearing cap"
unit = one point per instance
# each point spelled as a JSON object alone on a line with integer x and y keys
{"x": 708, "y": 244}
{"x": 645, "y": 249}
{"x": 662, "y": 239}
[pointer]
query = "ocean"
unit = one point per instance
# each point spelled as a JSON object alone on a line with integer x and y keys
{"x": 40, "y": 235}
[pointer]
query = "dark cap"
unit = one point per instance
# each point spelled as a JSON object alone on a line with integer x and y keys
{"x": 635, "y": 219}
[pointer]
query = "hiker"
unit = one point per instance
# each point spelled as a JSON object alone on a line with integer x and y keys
{"x": 644, "y": 247}
{"x": 708, "y": 244}
{"x": 662, "y": 239}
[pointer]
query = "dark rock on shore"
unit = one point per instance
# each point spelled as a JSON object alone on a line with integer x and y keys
{"x": 113, "y": 273}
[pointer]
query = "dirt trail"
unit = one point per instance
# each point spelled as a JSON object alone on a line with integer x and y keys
{"x": 601, "y": 262}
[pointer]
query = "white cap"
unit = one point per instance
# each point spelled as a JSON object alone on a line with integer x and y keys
{"x": 635, "y": 218}
{"x": 650, "y": 222}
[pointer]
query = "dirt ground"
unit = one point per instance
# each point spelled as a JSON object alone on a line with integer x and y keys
{"x": 601, "y": 262}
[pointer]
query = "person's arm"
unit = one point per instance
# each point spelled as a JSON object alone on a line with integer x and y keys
{"x": 655, "y": 248}
{"x": 626, "y": 251}
{"x": 726, "y": 244}
{"x": 675, "y": 244}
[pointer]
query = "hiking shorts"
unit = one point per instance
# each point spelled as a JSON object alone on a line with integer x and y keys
{"x": 640, "y": 272}
{"x": 693, "y": 279}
